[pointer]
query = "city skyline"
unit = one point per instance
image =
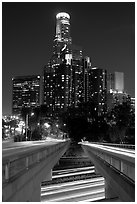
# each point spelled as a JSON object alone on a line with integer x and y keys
{"x": 109, "y": 41}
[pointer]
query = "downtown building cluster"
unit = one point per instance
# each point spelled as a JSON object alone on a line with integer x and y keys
{"x": 68, "y": 79}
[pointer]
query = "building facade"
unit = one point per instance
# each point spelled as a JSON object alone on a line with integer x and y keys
{"x": 115, "y": 82}
{"x": 25, "y": 93}
{"x": 115, "y": 90}
{"x": 64, "y": 75}
{"x": 97, "y": 92}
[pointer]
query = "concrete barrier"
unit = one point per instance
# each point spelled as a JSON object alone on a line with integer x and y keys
{"x": 23, "y": 171}
{"x": 117, "y": 166}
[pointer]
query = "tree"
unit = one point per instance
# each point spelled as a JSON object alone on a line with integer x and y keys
{"x": 36, "y": 134}
{"x": 3, "y": 129}
{"x": 119, "y": 120}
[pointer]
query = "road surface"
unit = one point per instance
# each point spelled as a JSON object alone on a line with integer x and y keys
{"x": 74, "y": 191}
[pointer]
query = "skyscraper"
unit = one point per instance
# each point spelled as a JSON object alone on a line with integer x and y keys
{"x": 63, "y": 28}
{"x": 86, "y": 69}
{"x": 62, "y": 40}
{"x": 119, "y": 81}
{"x": 63, "y": 76}
{"x": 115, "y": 89}
{"x": 57, "y": 88}
{"x": 110, "y": 83}
{"x": 115, "y": 82}
{"x": 25, "y": 92}
{"x": 98, "y": 89}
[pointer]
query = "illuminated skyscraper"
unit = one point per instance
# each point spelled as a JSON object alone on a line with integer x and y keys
{"x": 63, "y": 76}
{"x": 62, "y": 40}
{"x": 86, "y": 70}
{"x": 63, "y": 28}
{"x": 97, "y": 92}
{"x": 25, "y": 92}
{"x": 115, "y": 89}
{"x": 57, "y": 88}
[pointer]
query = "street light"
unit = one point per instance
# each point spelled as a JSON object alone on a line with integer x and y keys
{"x": 27, "y": 120}
{"x": 32, "y": 113}
{"x": 46, "y": 125}
{"x": 27, "y": 123}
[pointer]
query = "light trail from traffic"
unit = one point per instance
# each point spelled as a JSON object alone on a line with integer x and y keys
{"x": 74, "y": 172}
{"x": 122, "y": 151}
{"x": 74, "y": 191}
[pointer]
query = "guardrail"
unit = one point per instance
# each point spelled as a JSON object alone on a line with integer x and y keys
{"x": 117, "y": 166}
{"x": 13, "y": 166}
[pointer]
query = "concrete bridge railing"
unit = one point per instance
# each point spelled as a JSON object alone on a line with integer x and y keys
{"x": 23, "y": 171}
{"x": 117, "y": 166}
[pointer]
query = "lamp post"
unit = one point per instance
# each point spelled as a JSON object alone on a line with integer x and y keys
{"x": 27, "y": 120}
{"x": 27, "y": 123}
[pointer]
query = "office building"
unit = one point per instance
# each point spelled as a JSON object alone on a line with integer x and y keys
{"x": 62, "y": 40}
{"x": 97, "y": 92}
{"x": 119, "y": 82}
{"x": 115, "y": 82}
{"x": 115, "y": 90}
{"x": 25, "y": 92}
{"x": 57, "y": 88}
{"x": 110, "y": 83}
{"x": 86, "y": 68}
{"x": 63, "y": 75}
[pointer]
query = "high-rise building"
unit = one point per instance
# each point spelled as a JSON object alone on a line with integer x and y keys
{"x": 77, "y": 75}
{"x": 25, "y": 92}
{"x": 49, "y": 87}
{"x": 57, "y": 88}
{"x": 115, "y": 90}
{"x": 86, "y": 67}
{"x": 63, "y": 76}
{"x": 110, "y": 83}
{"x": 98, "y": 89}
{"x": 119, "y": 82}
{"x": 62, "y": 40}
{"x": 63, "y": 28}
{"x": 115, "y": 82}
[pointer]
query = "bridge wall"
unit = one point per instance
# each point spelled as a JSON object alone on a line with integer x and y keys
{"x": 25, "y": 185}
{"x": 116, "y": 183}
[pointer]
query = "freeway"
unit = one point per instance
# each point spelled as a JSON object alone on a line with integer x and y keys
{"x": 82, "y": 190}
{"x": 90, "y": 189}
{"x": 73, "y": 172}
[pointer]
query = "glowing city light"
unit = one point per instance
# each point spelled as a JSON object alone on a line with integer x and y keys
{"x": 63, "y": 15}
{"x": 46, "y": 125}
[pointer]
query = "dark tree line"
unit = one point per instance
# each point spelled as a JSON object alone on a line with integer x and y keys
{"x": 84, "y": 122}
{"x": 115, "y": 126}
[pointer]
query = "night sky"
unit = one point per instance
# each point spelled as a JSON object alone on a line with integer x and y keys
{"x": 105, "y": 31}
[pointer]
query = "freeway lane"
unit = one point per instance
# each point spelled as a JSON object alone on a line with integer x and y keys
{"x": 90, "y": 189}
{"x": 73, "y": 172}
